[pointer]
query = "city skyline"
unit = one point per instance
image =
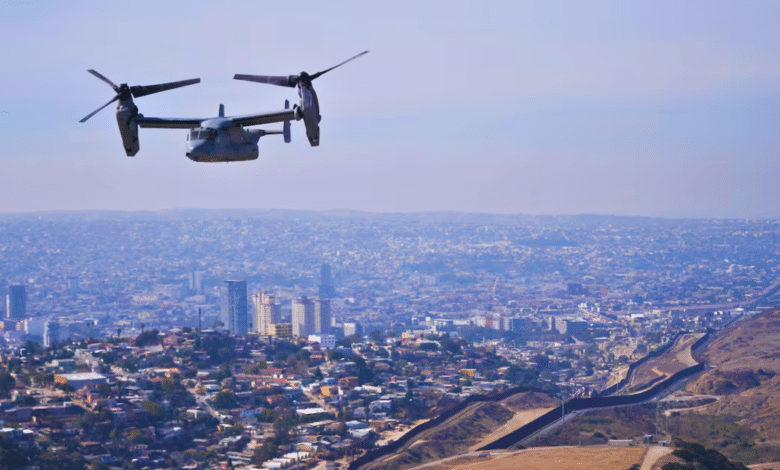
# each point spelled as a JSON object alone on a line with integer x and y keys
{"x": 532, "y": 108}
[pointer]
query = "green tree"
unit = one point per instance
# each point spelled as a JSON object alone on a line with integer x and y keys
{"x": 105, "y": 389}
{"x": 98, "y": 465}
{"x": 225, "y": 400}
{"x": 11, "y": 456}
{"x": 156, "y": 412}
{"x": 7, "y": 383}
{"x": 255, "y": 368}
{"x": 168, "y": 386}
{"x": 135, "y": 436}
{"x": 33, "y": 347}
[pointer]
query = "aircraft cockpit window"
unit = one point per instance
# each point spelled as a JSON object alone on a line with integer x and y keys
{"x": 207, "y": 134}
{"x": 194, "y": 135}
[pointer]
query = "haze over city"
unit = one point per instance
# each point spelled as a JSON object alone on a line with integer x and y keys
{"x": 659, "y": 109}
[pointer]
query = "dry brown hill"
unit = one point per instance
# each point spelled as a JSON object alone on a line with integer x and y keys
{"x": 467, "y": 430}
{"x": 744, "y": 370}
{"x": 744, "y": 362}
{"x": 546, "y": 458}
{"x": 749, "y": 344}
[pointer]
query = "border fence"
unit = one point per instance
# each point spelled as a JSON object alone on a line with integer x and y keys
{"x": 606, "y": 399}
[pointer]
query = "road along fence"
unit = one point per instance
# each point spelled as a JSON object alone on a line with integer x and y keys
{"x": 576, "y": 404}
{"x": 632, "y": 367}
{"x": 394, "y": 446}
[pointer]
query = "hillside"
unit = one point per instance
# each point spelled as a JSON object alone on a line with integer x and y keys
{"x": 468, "y": 430}
{"x": 547, "y": 458}
{"x": 743, "y": 365}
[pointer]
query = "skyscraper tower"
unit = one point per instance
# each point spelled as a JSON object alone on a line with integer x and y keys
{"x": 267, "y": 312}
{"x": 234, "y": 307}
{"x": 16, "y": 302}
{"x": 322, "y": 316}
{"x": 302, "y": 317}
{"x": 51, "y": 332}
{"x": 326, "y": 282}
{"x": 196, "y": 281}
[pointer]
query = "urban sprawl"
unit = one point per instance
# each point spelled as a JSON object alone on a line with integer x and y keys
{"x": 262, "y": 339}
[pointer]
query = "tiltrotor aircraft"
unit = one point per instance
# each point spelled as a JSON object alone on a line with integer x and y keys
{"x": 222, "y": 138}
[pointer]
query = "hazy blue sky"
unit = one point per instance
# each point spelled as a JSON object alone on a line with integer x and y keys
{"x": 666, "y": 108}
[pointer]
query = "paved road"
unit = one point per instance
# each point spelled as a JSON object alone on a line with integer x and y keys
{"x": 201, "y": 400}
{"x": 685, "y": 355}
{"x": 318, "y": 399}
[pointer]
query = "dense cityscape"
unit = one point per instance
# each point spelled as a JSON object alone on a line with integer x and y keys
{"x": 259, "y": 339}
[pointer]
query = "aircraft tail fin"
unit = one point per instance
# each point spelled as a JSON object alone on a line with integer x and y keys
{"x": 222, "y": 110}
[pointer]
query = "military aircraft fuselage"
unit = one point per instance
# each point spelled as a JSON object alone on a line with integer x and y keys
{"x": 221, "y": 140}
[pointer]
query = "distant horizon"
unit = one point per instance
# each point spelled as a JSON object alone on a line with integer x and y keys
{"x": 370, "y": 212}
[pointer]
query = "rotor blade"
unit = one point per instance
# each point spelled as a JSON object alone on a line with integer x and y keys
{"x": 100, "y": 108}
{"x": 339, "y": 65}
{"x": 98, "y": 75}
{"x": 140, "y": 90}
{"x": 288, "y": 81}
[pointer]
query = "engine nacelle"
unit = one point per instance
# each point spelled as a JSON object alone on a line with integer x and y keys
{"x": 128, "y": 127}
{"x": 310, "y": 110}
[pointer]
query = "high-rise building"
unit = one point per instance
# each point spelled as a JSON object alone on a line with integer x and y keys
{"x": 234, "y": 307}
{"x": 302, "y": 317}
{"x": 16, "y": 302}
{"x": 51, "y": 333}
{"x": 280, "y": 330}
{"x": 196, "y": 281}
{"x": 326, "y": 282}
{"x": 352, "y": 328}
{"x": 321, "y": 316}
{"x": 34, "y": 326}
{"x": 310, "y": 316}
{"x": 267, "y": 312}
{"x": 171, "y": 291}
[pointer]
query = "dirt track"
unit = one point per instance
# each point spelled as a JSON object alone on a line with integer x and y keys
{"x": 653, "y": 454}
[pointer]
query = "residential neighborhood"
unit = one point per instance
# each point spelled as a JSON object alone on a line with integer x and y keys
{"x": 265, "y": 340}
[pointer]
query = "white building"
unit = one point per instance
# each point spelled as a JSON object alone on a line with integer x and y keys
{"x": 51, "y": 332}
{"x": 34, "y": 326}
{"x": 326, "y": 341}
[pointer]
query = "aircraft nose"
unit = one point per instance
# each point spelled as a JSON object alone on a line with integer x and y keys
{"x": 197, "y": 149}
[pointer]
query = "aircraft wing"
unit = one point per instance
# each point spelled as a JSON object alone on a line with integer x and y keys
{"x": 168, "y": 123}
{"x": 264, "y": 118}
